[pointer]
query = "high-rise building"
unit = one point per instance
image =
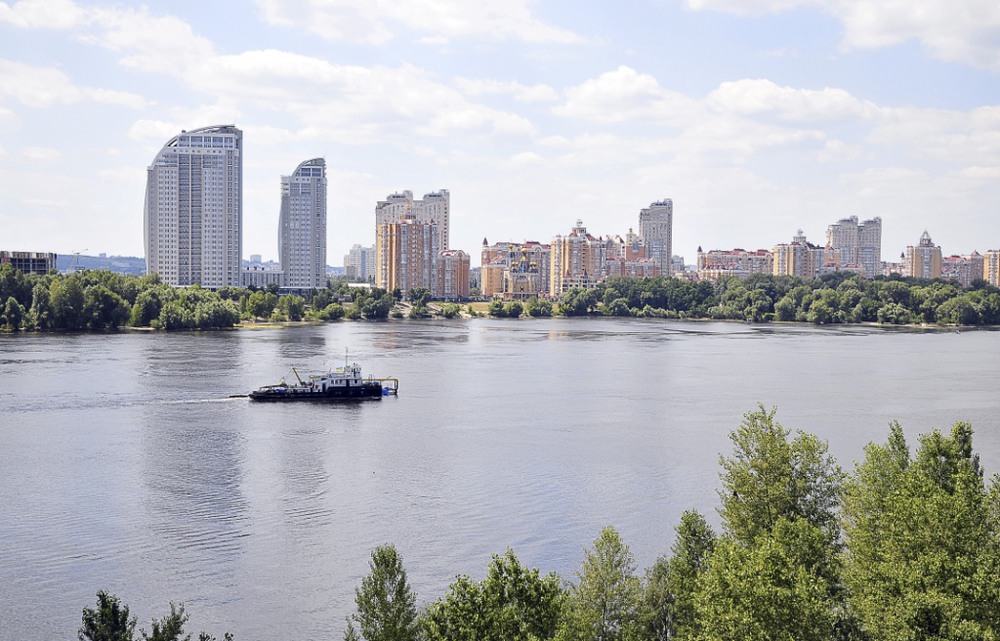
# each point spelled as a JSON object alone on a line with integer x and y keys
{"x": 452, "y": 281}
{"x": 577, "y": 260}
{"x": 798, "y": 258}
{"x": 302, "y": 225}
{"x": 991, "y": 267}
{"x": 193, "y": 214}
{"x": 870, "y": 246}
{"x": 407, "y": 255}
{"x": 656, "y": 230}
{"x": 360, "y": 263}
{"x": 924, "y": 260}
{"x": 434, "y": 209}
{"x": 857, "y": 244}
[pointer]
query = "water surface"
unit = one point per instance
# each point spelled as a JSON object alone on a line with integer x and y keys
{"x": 124, "y": 466}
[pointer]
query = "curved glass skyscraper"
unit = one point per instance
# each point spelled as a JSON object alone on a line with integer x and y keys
{"x": 302, "y": 225}
{"x": 193, "y": 216}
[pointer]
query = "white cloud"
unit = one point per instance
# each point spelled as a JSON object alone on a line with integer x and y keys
{"x": 163, "y": 44}
{"x": 520, "y": 92}
{"x": 42, "y": 14}
{"x": 966, "y": 31}
{"x": 349, "y": 103}
{"x": 627, "y": 95}
{"x": 45, "y": 86}
{"x": 527, "y": 158}
{"x": 376, "y": 23}
{"x": 41, "y": 154}
{"x": 765, "y": 98}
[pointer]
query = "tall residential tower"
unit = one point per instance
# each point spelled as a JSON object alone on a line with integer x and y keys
{"x": 193, "y": 215}
{"x": 302, "y": 225}
{"x": 656, "y": 224}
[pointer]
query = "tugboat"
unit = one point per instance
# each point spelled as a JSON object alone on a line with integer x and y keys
{"x": 342, "y": 384}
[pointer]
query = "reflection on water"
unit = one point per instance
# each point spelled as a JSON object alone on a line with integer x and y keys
{"x": 124, "y": 464}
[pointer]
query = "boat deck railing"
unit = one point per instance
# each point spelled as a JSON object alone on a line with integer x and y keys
{"x": 390, "y": 386}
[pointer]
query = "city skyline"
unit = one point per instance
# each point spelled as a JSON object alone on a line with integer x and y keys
{"x": 757, "y": 118}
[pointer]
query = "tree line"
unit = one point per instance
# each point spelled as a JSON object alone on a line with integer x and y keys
{"x": 834, "y": 298}
{"x": 101, "y": 300}
{"x": 905, "y": 548}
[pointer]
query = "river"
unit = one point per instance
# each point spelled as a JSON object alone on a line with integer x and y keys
{"x": 125, "y": 466}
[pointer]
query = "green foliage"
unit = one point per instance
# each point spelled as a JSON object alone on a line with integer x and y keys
{"x": 261, "y": 304}
{"x": 512, "y": 603}
{"x": 108, "y": 622}
{"x": 67, "y": 302}
{"x": 170, "y": 627}
{"x": 418, "y": 311}
{"x": 769, "y": 478}
{"x": 605, "y": 604}
{"x": 513, "y": 309}
{"x": 12, "y": 314}
{"x": 386, "y": 607}
{"x": 923, "y": 557}
{"x": 332, "y": 312}
{"x": 668, "y": 610}
{"x": 419, "y": 296}
{"x": 451, "y": 310}
{"x": 772, "y": 589}
{"x": 292, "y": 307}
{"x": 537, "y": 308}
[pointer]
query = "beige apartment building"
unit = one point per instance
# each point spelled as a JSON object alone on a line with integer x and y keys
{"x": 452, "y": 275}
{"x": 991, "y": 267}
{"x": 577, "y": 260}
{"x": 738, "y": 262}
{"x": 406, "y": 254}
{"x": 923, "y": 260}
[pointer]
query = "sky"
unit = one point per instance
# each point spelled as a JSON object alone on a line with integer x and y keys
{"x": 756, "y": 117}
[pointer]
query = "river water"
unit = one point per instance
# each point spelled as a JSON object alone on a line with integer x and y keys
{"x": 125, "y": 466}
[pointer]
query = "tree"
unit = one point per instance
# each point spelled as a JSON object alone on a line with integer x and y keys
{"x": 108, "y": 622}
{"x": 512, "y": 603}
{"x": 669, "y": 595}
{"x": 170, "y": 627}
{"x": 12, "y": 314}
{"x": 386, "y": 607}
{"x": 261, "y": 304}
{"x": 293, "y": 307}
{"x": 604, "y": 605}
{"x": 923, "y": 545}
{"x": 769, "y": 477}
{"x": 772, "y": 589}
{"x": 67, "y": 301}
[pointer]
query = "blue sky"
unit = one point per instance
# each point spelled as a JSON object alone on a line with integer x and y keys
{"x": 757, "y": 117}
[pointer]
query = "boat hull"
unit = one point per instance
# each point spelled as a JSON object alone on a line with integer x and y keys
{"x": 367, "y": 391}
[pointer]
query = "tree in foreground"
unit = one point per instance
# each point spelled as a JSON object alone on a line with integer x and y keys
{"x": 769, "y": 477}
{"x": 671, "y": 584}
{"x": 386, "y": 607}
{"x": 605, "y": 603}
{"x": 109, "y": 621}
{"x": 512, "y": 603}
{"x": 923, "y": 540}
{"x": 775, "y": 574}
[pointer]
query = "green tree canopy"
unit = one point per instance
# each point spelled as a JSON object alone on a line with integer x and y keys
{"x": 386, "y": 607}
{"x": 605, "y": 603}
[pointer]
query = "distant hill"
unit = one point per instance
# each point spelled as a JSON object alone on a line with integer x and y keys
{"x": 121, "y": 264}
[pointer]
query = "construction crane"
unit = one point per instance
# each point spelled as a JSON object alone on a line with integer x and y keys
{"x": 74, "y": 264}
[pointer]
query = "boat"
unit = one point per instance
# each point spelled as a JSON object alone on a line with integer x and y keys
{"x": 342, "y": 384}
